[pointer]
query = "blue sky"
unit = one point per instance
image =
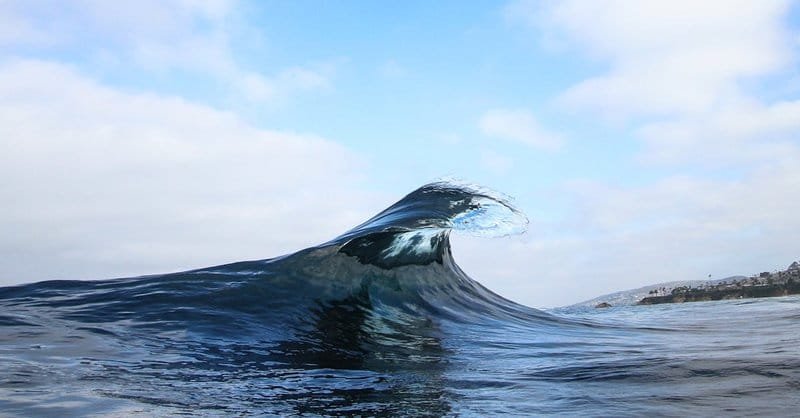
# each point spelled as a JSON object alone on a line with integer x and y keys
{"x": 647, "y": 141}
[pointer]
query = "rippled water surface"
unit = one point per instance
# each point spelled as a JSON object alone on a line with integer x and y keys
{"x": 381, "y": 321}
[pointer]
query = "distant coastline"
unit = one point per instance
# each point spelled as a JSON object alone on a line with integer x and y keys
{"x": 766, "y": 284}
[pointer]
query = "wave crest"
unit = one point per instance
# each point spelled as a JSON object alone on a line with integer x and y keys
{"x": 415, "y": 230}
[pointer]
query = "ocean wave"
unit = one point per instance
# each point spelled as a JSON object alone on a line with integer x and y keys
{"x": 379, "y": 282}
{"x": 378, "y": 321}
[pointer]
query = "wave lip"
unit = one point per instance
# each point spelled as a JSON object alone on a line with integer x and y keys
{"x": 415, "y": 230}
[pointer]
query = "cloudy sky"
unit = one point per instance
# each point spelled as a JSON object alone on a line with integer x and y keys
{"x": 647, "y": 141}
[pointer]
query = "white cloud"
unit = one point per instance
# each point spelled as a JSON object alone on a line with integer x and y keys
{"x": 685, "y": 67}
{"x": 665, "y": 57}
{"x": 100, "y": 183}
{"x": 745, "y": 133}
{"x": 159, "y": 37}
{"x": 681, "y": 77}
{"x": 131, "y": 26}
{"x": 518, "y": 125}
{"x": 615, "y": 238}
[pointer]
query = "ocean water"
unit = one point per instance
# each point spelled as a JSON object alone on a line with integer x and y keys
{"x": 381, "y": 321}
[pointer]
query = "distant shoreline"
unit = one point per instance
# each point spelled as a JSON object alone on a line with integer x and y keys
{"x": 702, "y": 295}
{"x": 780, "y": 283}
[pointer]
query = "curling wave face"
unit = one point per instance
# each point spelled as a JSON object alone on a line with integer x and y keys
{"x": 380, "y": 320}
{"x": 401, "y": 258}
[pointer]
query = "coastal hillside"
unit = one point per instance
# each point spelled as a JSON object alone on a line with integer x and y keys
{"x": 765, "y": 284}
{"x": 632, "y": 296}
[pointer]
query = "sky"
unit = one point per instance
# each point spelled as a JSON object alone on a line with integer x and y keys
{"x": 646, "y": 141}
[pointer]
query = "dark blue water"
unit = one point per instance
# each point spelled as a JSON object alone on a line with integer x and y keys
{"x": 381, "y": 321}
